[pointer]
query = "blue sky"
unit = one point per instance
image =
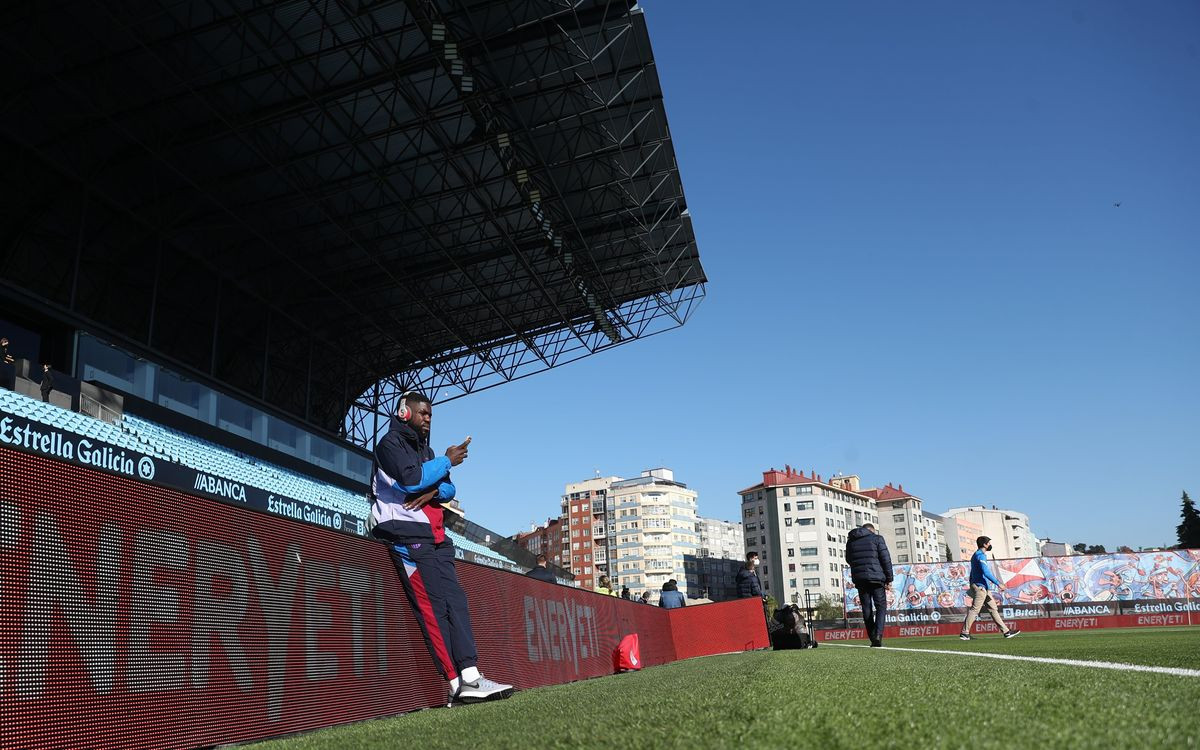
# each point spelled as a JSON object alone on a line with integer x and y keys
{"x": 916, "y": 271}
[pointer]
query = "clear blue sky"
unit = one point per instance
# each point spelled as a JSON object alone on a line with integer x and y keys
{"x": 917, "y": 273}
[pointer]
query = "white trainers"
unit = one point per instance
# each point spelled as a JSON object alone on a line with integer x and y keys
{"x": 481, "y": 690}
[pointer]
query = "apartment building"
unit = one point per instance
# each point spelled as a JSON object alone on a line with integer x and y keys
{"x": 797, "y": 524}
{"x": 651, "y": 529}
{"x": 720, "y": 555}
{"x": 1009, "y": 530}
{"x": 912, "y": 536}
{"x": 585, "y": 529}
{"x": 961, "y": 534}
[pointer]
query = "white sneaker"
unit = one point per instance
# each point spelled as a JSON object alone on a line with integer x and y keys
{"x": 481, "y": 690}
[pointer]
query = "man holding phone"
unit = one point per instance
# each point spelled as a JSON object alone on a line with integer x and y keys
{"x": 409, "y": 487}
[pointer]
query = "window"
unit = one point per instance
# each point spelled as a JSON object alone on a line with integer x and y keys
{"x": 787, "y": 507}
{"x": 806, "y": 522}
{"x": 791, "y": 552}
{"x": 902, "y": 558}
{"x": 898, "y": 518}
{"x": 584, "y": 507}
{"x": 791, "y": 567}
{"x": 900, "y": 532}
{"x": 812, "y": 581}
{"x": 834, "y": 583}
{"x": 901, "y": 544}
{"x": 764, "y": 571}
{"x": 810, "y": 567}
{"x": 792, "y": 582}
{"x": 808, "y": 551}
{"x": 787, "y": 521}
{"x": 804, "y": 505}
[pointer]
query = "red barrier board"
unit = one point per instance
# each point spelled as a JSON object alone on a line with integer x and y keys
{"x": 136, "y": 616}
{"x": 987, "y": 627}
{"x": 718, "y": 628}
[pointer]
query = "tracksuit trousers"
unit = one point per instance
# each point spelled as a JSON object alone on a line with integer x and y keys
{"x": 437, "y": 598}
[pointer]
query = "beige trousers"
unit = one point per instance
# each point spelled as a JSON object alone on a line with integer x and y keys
{"x": 981, "y": 599}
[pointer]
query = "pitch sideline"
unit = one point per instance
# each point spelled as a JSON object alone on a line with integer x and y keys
{"x": 1177, "y": 671}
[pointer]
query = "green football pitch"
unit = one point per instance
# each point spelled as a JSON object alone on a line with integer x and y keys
{"x": 843, "y": 696}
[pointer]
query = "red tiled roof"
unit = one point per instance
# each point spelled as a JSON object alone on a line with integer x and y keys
{"x": 886, "y": 493}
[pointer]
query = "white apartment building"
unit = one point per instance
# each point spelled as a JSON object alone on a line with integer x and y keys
{"x": 939, "y": 530}
{"x": 722, "y": 552}
{"x": 911, "y": 535}
{"x": 1009, "y": 530}
{"x": 798, "y": 524}
{"x": 651, "y": 528}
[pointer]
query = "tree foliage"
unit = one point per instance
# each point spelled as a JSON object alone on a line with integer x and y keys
{"x": 1188, "y": 531}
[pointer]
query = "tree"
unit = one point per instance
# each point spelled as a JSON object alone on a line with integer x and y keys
{"x": 1089, "y": 549}
{"x": 1189, "y": 531}
{"x": 1124, "y": 548}
{"x": 1080, "y": 548}
{"x": 949, "y": 554}
{"x": 828, "y": 608}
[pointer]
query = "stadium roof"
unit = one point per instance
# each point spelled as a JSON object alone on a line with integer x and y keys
{"x": 300, "y": 201}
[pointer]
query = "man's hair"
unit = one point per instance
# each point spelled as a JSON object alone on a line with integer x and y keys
{"x": 412, "y": 399}
{"x": 750, "y": 556}
{"x": 540, "y": 559}
{"x": 870, "y": 526}
{"x": 982, "y": 541}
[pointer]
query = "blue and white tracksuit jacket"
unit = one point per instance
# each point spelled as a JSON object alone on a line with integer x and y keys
{"x": 424, "y": 557}
{"x": 405, "y": 467}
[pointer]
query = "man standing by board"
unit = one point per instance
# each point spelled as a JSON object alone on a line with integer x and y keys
{"x": 409, "y": 487}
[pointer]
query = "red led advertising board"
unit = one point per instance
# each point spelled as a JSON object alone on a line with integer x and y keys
{"x": 137, "y": 616}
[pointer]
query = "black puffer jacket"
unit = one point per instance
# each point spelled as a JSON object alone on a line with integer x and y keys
{"x": 747, "y": 584}
{"x": 868, "y": 556}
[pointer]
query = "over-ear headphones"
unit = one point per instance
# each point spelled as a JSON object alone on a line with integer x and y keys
{"x": 403, "y": 413}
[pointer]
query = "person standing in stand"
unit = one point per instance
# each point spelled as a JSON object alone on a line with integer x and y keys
{"x": 409, "y": 488}
{"x": 540, "y": 571}
{"x": 47, "y": 381}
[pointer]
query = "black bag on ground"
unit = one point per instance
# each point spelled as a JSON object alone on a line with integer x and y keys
{"x": 788, "y": 629}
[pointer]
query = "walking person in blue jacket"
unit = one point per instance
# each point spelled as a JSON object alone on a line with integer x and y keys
{"x": 871, "y": 571}
{"x": 981, "y": 598}
{"x": 409, "y": 487}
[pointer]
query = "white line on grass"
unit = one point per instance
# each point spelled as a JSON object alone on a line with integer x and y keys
{"x": 1178, "y": 671}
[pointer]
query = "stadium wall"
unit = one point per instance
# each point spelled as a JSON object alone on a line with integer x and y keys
{"x": 135, "y": 615}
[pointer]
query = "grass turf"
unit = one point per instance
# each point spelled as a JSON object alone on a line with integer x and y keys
{"x": 1158, "y": 647}
{"x": 835, "y": 697}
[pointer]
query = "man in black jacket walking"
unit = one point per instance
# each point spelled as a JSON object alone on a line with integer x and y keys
{"x": 871, "y": 570}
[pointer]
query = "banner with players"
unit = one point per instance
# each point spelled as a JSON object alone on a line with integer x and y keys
{"x": 1082, "y": 585}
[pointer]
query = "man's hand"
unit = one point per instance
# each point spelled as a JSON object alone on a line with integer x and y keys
{"x": 458, "y": 453}
{"x": 420, "y": 501}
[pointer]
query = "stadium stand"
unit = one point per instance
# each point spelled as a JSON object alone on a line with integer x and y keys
{"x": 134, "y": 433}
